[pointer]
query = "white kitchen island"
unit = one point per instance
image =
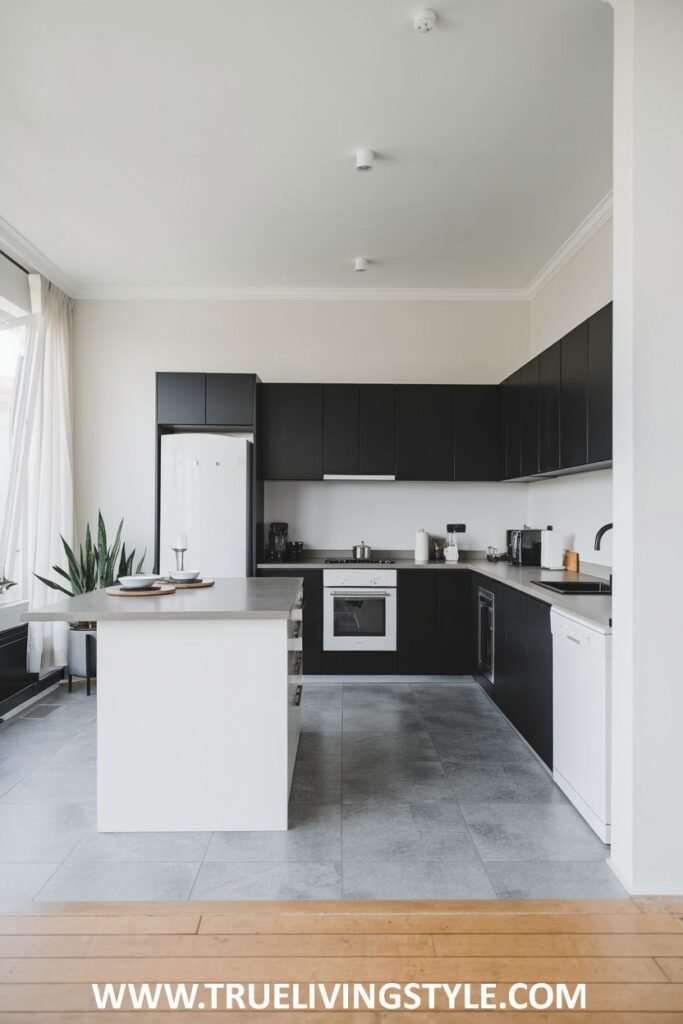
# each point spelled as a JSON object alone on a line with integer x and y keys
{"x": 197, "y": 704}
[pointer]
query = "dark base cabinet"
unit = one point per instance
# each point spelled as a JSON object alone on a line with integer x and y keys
{"x": 17, "y": 685}
{"x": 523, "y": 677}
{"x": 457, "y": 624}
{"x": 312, "y": 613}
{"x": 539, "y": 679}
{"x": 418, "y": 622}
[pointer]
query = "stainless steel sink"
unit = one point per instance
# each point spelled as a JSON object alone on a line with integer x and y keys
{"x": 575, "y": 587}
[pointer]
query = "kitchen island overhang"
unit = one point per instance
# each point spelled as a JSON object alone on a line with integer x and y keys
{"x": 197, "y": 704}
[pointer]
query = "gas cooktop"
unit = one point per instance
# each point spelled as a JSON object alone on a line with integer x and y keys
{"x": 359, "y": 561}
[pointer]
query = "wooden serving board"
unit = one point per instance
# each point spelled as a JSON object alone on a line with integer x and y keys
{"x": 159, "y": 591}
{"x": 194, "y": 585}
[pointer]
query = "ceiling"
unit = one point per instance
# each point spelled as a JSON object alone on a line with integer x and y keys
{"x": 210, "y": 143}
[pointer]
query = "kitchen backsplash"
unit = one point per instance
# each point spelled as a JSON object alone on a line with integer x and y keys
{"x": 338, "y": 514}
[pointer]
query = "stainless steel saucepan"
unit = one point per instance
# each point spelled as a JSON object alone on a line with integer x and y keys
{"x": 362, "y": 552}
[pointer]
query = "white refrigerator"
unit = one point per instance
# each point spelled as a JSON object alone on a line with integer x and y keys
{"x": 205, "y": 495}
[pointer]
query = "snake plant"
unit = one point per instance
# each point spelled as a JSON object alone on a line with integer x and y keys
{"x": 97, "y": 565}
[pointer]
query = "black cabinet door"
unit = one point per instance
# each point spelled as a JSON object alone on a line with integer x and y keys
{"x": 476, "y": 430}
{"x": 514, "y": 665}
{"x": 377, "y": 429}
{"x": 549, "y": 408}
{"x": 539, "y": 679}
{"x": 456, "y": 623}
{"x": 181, "y": 398}
{"x": 600, "y": 385}
{"x": 341, "y": 429}
{"x": 418, "y": 622}
{"x": 424, "y": 432}
{"x": 292, "y": 431}
{"x": 573, "y": 397}
{"x": 529, "y": 417}
{"x": 230, "y": 399}
{"x": 512, "y": 426}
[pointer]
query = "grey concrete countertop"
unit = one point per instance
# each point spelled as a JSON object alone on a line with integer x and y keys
{"x": 267, "y": 598}
{"x": 592, "y": 609}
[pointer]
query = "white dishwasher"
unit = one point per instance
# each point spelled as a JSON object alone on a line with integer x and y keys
{"x": 582, "y": 710}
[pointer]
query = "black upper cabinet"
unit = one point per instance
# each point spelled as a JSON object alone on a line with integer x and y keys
{"x": 341, "y": 428}
{"x": 424, "y": 432}
{"x": 511, "y": 426}
{"x": 418, "y": 621}
{"x": 230, "y": 399}
{"x": 456, "y": 635}
{"x": 549, "y": 408}
{"x": 529, "y": 418}
{"x": 476, "y": 430}
{"x": 539, "y": 679}
{"x": 573, "y": 398}
{"x": 293, "y": 431}
{"x": 377, "y": 408}
{"x": 181, "y": 398}
{"x": 600, "y": 385}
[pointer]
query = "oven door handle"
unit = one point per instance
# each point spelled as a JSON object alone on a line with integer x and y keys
{"x": 360, "y": 593}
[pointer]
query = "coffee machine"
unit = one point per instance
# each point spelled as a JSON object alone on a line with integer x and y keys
{"x": 277, "y": 541}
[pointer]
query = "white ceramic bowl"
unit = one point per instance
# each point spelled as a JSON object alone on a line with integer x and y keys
{"x": 186, "y": 576}
{"x": 140, "y": 582}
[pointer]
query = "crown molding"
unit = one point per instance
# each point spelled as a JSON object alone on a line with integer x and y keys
{"x": 576, "y": 241}
{"x": 305, "y": 294}
{"x": 20, "y": 249}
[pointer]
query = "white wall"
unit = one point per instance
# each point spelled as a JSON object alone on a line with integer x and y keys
{"x": 340, "y": 514}
{"x": 647, "y": 813}
{"x": 581, "y": 286}
{"x": 120, "y": 345}
{"x": 577, "y": 505}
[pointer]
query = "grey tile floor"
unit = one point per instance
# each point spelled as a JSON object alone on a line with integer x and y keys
{"x": 401, "y": 791}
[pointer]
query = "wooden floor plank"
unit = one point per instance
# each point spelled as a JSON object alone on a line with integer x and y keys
{"x": 672, "y": 967}
{"x": 504, "y": 922}
{"x": 284, "y": 1017}
{"x": 49, "y": 971}
{"x": 492, "y": 945}
{"x": 122, "y": 924}
{"x": 255, "y": 907}
{"x": 14, "y": 946}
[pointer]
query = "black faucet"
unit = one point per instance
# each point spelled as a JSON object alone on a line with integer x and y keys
{"x": 600, "y": 534}
{"x": 598, "y": 537}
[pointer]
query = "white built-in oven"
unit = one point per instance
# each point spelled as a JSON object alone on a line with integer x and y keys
{"x": 359, "y": 609}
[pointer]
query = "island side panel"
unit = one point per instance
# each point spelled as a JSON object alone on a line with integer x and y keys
{"x": 192, "y": 725}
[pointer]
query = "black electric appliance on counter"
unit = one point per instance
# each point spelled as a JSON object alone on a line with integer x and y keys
{"x": 277, "y": 541}
{"x": 524, "y": 547}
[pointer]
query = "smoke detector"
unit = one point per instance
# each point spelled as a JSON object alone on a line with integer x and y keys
{"x": 425, "y": 20}
{"x": 365, "y": 160}
{"x": 360, "y": 264}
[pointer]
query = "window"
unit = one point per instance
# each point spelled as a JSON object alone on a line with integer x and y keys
{"x": 12, "y": 341}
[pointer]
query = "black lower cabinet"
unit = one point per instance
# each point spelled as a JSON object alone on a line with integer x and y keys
{"x": 312, "y": 614}
{"x": 456, "y": 635}
{"x": 359, "y": 663}
{"x": 418, "y": 622}
{"x": 523, "y": 677}
{"x": 513, "y": 667}
{"x": 539, "y": 679}
{"x": 17, "y": 685}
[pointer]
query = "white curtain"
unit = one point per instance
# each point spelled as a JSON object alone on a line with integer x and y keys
{"x": 39, "y": 506}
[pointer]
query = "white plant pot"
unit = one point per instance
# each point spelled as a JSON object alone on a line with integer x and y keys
{"x": 77, "y": 665}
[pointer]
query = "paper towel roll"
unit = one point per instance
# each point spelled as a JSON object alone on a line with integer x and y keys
{"x": 421, "y": 546}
